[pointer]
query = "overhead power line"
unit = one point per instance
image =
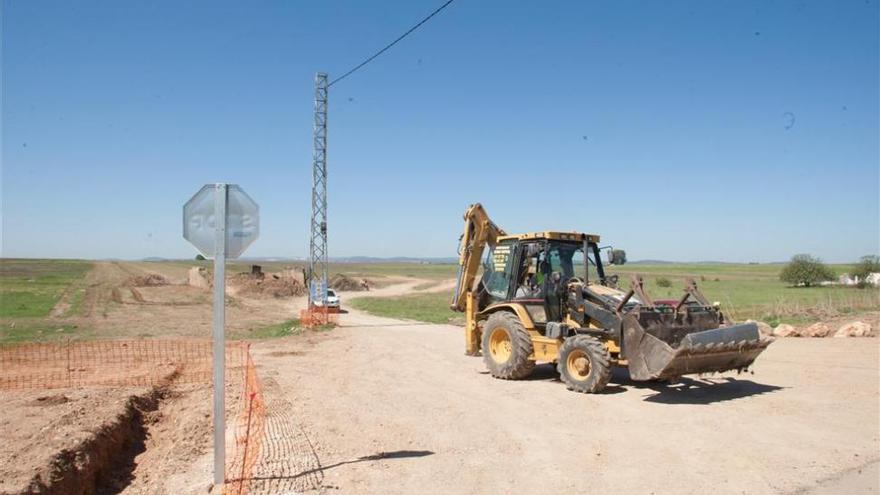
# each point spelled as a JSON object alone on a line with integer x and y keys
{"x": 389, "y": 45}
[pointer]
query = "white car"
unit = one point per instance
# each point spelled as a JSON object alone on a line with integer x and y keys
{"x": 332, "y": 299}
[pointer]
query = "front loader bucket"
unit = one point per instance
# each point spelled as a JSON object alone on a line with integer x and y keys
{"x": 718, "y": 349}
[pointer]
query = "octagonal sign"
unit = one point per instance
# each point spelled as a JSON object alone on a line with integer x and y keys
{"x": 242, "y": 219}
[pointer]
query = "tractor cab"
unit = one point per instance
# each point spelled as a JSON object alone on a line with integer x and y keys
{"x": 534, "y": 270}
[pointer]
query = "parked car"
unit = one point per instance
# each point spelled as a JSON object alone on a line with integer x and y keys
{"x": 332, "y": 300}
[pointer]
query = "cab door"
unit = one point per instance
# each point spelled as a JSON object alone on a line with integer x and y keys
{"x": 499, "y": 271}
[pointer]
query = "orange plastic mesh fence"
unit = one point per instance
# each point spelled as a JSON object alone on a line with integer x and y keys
{"x": 315, "y": 317}
{"x": 111, "y": 363}
{"x": 249, "y": 430}
{"x": 149, "y": 363}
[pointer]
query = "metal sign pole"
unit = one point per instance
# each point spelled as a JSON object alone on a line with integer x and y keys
{"x": 220, "y": 199}
{"x": 207, "y": 226}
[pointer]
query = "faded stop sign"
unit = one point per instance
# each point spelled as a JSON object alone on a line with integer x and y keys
{"x": 200, "y": 222}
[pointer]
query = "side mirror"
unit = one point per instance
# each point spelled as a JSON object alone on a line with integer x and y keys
{"x": 616, "y": 257}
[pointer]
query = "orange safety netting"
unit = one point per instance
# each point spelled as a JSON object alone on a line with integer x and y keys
{"x": 317, "y": 316}
{"x": 249, "y": 432}
{"x": 148, "y": 362}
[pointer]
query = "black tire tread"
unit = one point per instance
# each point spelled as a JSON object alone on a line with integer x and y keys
{"x": 519, "y": 366}
{"x": 600, "y": 364}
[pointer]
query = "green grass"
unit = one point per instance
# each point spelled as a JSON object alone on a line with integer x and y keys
{"x": 754, "y": 291}
{"x": 283, "y": 329}
{"x": 744, "y": 291}
{"x": 277, "y": 330}
{"x": 36, "y": 331}
{"x": 425, "y": 286}
{"x": 77, "y": 297}
{"x": 31, "y": 288}
{"x": 432, "y": 307}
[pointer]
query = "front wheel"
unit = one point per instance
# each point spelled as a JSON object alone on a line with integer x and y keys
{"x": 584, "y": 364}
{"x": 507, "y": 347}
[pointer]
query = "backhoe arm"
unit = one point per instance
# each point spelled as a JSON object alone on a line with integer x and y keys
{"x": 479, "y": 231}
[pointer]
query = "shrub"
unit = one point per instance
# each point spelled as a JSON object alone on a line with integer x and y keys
{"x": 805, "y": 270}
{"x": 199, "y": 257}
{"x": 663, "y": 282}
{"x": 866, "y": 266}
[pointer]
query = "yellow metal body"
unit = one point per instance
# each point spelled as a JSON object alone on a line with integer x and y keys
{"x": 479, "y": 232}
{"x": 551, "y": 235}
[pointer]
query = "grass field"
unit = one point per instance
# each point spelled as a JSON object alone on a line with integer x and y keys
{"x": 744, "y": 291}
{"x": 432, "y": 307}
{"x": 29, "y": 289}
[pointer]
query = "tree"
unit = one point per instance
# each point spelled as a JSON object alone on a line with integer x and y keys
{"x": 619, "y": 256}
{"x": 867, "y": 265}
{"x": 805, "y": 270}
{"x": 199, "y": 257}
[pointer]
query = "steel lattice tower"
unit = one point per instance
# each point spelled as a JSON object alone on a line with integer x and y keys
{"x": 318, "y": 243}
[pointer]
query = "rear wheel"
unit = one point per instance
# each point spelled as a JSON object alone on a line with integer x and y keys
{"x": 584, "y": 364}
{"x": 507, "y": 347}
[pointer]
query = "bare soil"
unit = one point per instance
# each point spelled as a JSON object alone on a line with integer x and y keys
{"x": 387, "y": 406}
{"x": 61, "y": 441}
{"x": 112, "y": 307}
{"x": 398, "y": 408}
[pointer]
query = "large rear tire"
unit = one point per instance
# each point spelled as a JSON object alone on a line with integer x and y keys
{"x": 507, "y": 347}
{"x": 584, "y": 364}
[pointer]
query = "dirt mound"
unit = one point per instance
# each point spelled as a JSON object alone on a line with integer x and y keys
{"x": 346, "y": 283}
{"x": 262, "y": 285}
{"x": 786, "y": 330}
{"x": 148, "y": 280}
{"x": 818, "y": 330}
{"x": 198, "y": 277}
{"x": 854, "y": 329}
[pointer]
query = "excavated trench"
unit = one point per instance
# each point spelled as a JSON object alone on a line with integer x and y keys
{"x": 104, "y": 462}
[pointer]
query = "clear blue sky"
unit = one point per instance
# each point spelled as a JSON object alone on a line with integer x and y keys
{"x": 696, "y": 130}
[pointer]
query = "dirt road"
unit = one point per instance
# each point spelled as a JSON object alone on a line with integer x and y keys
{"x": 395, "y": 407}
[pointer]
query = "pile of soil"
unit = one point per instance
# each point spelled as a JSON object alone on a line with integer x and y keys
{"x": 346, "y": 283}
{"x": 148, "y": 280}
{"x": 264, "y": 286}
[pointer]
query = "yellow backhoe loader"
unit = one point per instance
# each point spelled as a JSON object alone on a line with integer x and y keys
{"x": 545, "y": 297}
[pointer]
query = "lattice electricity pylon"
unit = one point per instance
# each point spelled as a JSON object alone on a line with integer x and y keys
{"x": 318, "y": 243}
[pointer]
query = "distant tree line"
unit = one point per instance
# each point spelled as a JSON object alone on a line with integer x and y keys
{"x": 805, "y": 270}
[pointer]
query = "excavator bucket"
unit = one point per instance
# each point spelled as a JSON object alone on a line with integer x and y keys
{"x": 666, "y": 353}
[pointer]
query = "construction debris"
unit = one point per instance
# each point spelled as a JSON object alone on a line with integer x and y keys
{"x": 248, "y": 284}
{"x": 345, "y": 283}
{"x": 854, "y": 329}
{"x": 198, "y": 277}
{"x": 817, "y": 330}
{"x": 786, "y": 330}
{"x": 148, "y": 280}
{"x": 298, "y": 274}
